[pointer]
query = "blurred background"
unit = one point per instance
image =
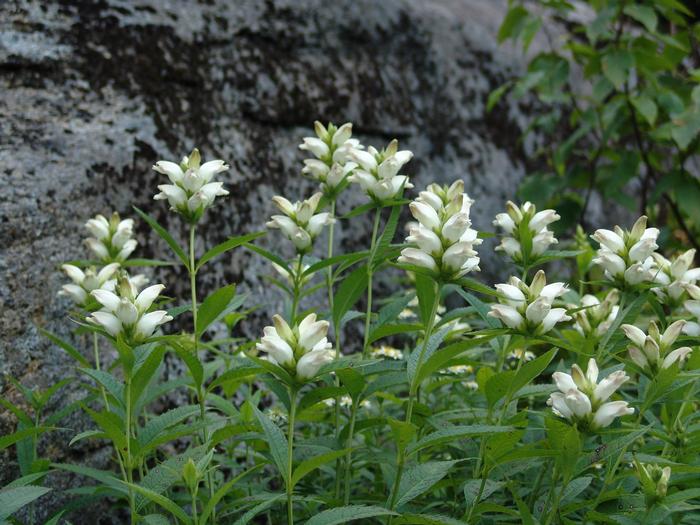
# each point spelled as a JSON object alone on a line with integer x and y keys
{"x": 588, "y": 107}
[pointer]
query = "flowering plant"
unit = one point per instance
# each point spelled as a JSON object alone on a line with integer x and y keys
{"x": 458, "y": 402}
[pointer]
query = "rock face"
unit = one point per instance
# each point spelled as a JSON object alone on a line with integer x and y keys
{"x": 95, "y": 91}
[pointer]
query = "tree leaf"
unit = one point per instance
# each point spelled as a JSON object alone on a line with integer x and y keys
{"x": 616, "y": 65}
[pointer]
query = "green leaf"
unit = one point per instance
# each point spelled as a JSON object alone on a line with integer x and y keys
{"x": 191, "y": 360}
{"x": 419, "y": 478}
{"x": 276, "y": 441}
{"x": 11, "y": 500}
{"x": 269, "y": 502}
{"x": 159, "y": 423}
{"x": 447, "y": 435}
{"x": 268, "y": 255}
{"x": 86, "y": 435}
{"x": 512, "y": 23}
{"x": 496, "y": 95}
{"x": 646, "y": 107}
{"x": 155, "y": 519}
{"x": 161, "y": 501}
{"x": 163, "y": 234}
{"x": 616, "y": 65}
{"x": 346, "y": 258}
{"x": 111, "y": 424}
{"x": 70, "y": 349}
{"x": 161, "y": 477}
{"x": 349, "y": 292}
{"x": 471, "y": 490}
{"x": 643, "y": 14}
{"x": 686, "y": 126}
{"x": 236, "y": 374}
{"x": 422, "y": 354}
{"x": 223, "y": 490}
{"x": 230, "y": 244}
{"x": 341, "y": 515}
{"x": 386, "y": 237}
{"x": 425, "y": 519}
{"x": 144, "y": 374}
{"x": 11, "y": 439}
{"x": 215, "y": 306}
{"x": 309, "y": 465}
{"x": 108, "y": 381}
{"x": 425, "y": 290}
{"x": 353, "y": 381}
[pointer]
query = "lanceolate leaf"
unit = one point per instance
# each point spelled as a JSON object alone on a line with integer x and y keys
{"x": 349, "y": 292}
{"x": 276, "y": 441}
{"x": 226, "y": 246}
{"x": 13, "y": 499}
{"x": 347, "y": 514}
{"x": 419, "y": 478}
{"x": 163, "y": 234}
{"x": 214, "y": 307}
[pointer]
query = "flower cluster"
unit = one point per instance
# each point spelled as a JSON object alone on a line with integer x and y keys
{"x": 583, "y": 401}
{"x": 673, "y": 277}
{"x": 191, "y": 190}
{"x": 529, "y": 308}
{"x": 444, "y": 238}
{"x": 300, "y": 223}
{"x": 125, "y": 313}
{"x": 331, "y": 147}
{"x": 378, "y": 171}
{"x": 653, "y": 352}
{"x": 526, "y": 234}
{"x": 301, "y": 349}
{"x": 626, "y": 255}
{"x": 653, "y": 480}
{"x": 111, "y": 239}
{"x": 387, "y": 351}
{"x": 594, "y": 317}
{"x": 86, "y": 281}
{"x": 693, "y": 307}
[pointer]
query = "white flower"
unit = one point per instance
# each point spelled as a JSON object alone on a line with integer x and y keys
{"x": 302, "y": 349}
{"x": 111, "y": 239}
{"x": 443, "y": 239}
{"x": 377, "y": 172}
{"x": 387, "y": 351}
{"x": 534, "y": 227}
{"x": 125, "y": 313}
{"x": 86, "y": 281}
{"x": 673, "y": 276}
{"x": 582, "y": 400}
{"x": 331, "y": 148}
{"x": 191, "y": 190}
{"x": 654, "y": 351}
{"x": 626, "y": 256}
{"x": 299, "y": 224}
{"x": 593, "y": 317}
{"x": 529, "y": 308}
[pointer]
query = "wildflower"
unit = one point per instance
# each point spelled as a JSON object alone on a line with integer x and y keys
{"x": 331, "y": 147}
{"x": 526, "y": 232}
{"x": 444, "y": 240}
{"x": 301, "y": 349}
{"x": 290, "y": 277}
{"x": 192, "y": 189}
{"x": 653, "y": 352}
{"x": 111, "y": 239}
{"x": 673, "y": 276}
{"x": 517, "y": 355}
{"x": 387, "y": 351}
{"x": 529, "y": 308}
{"x": 299, "y": 223}
{"x": 277, "y": 415}
{"x": 582, "y": 400}
{"x": 459, "y": 370}
{"x": 595, "y": 317}
{"x": 693, "y": 307}
{"x": 626, "y": 256}
{"x": 470, "y": 385}
{"x": 653, "y": 480}
{"x": 126, "y": 314}
{"x": 378, "y": 171}
{"x": 86, "y": 281}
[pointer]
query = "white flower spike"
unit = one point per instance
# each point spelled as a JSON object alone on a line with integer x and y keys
{"x": 654, "y": 352}
{"x": 331, "y": 147}
{"x": 377, "y": 172}
{"x": 584, "y": 401}
{"x": 111, "y": 239}
{"x": 300, "y": 223}
{"x": 191, "y": 189}
{"x": 524, "y": 221}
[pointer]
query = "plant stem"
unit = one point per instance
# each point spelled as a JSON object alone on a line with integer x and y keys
{"x": 195, "y": 518}
{"x": 290, "y": 454}
{"x": 370, "y": 275}
{"x": 129, "y": 466}
{"x": 413, "y": 387}
{"x": 297, "y": 289}
{"x": 96, "y": 350}
{"x": 348, "y": 455}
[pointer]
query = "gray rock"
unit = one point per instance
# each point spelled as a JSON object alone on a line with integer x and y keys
{"x": 94, "y": 92}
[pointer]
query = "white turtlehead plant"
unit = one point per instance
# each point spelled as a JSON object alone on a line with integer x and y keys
{"x": 302, "y": 349}
{"x": 85, "y": 281}
{"x": 300, "y": 223}
{"x": 584, "y": 401}
{"x": 191, "y": 189}
{"x": 111, "y": 239}
{"x": 529, "y": 308}
{"x": 653, "y": 351}
{"x": 125, "y": 313}
{"x": 594, "y": 317}
{"x": 626, "y": 256}
{"x": 331, "y": 148}
{"x": 692, "y": 306}
{"x": 442, "y": 240}
{"x": 526, "y": 233}
{"x": 377, "y": 172}
{"x": 673, "y": 276}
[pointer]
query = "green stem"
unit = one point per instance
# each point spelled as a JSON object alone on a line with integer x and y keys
{"x": 195, "y": 517}
{"x": 129, "y": 466}
{"x": 96, "y": 350}
{"x": 348, "y": 455}
{"x": 413, "y": 387}
{"x": 370, "y": 275}
{"x": 297, "y": 288}
{"x": 290, "y": 454}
